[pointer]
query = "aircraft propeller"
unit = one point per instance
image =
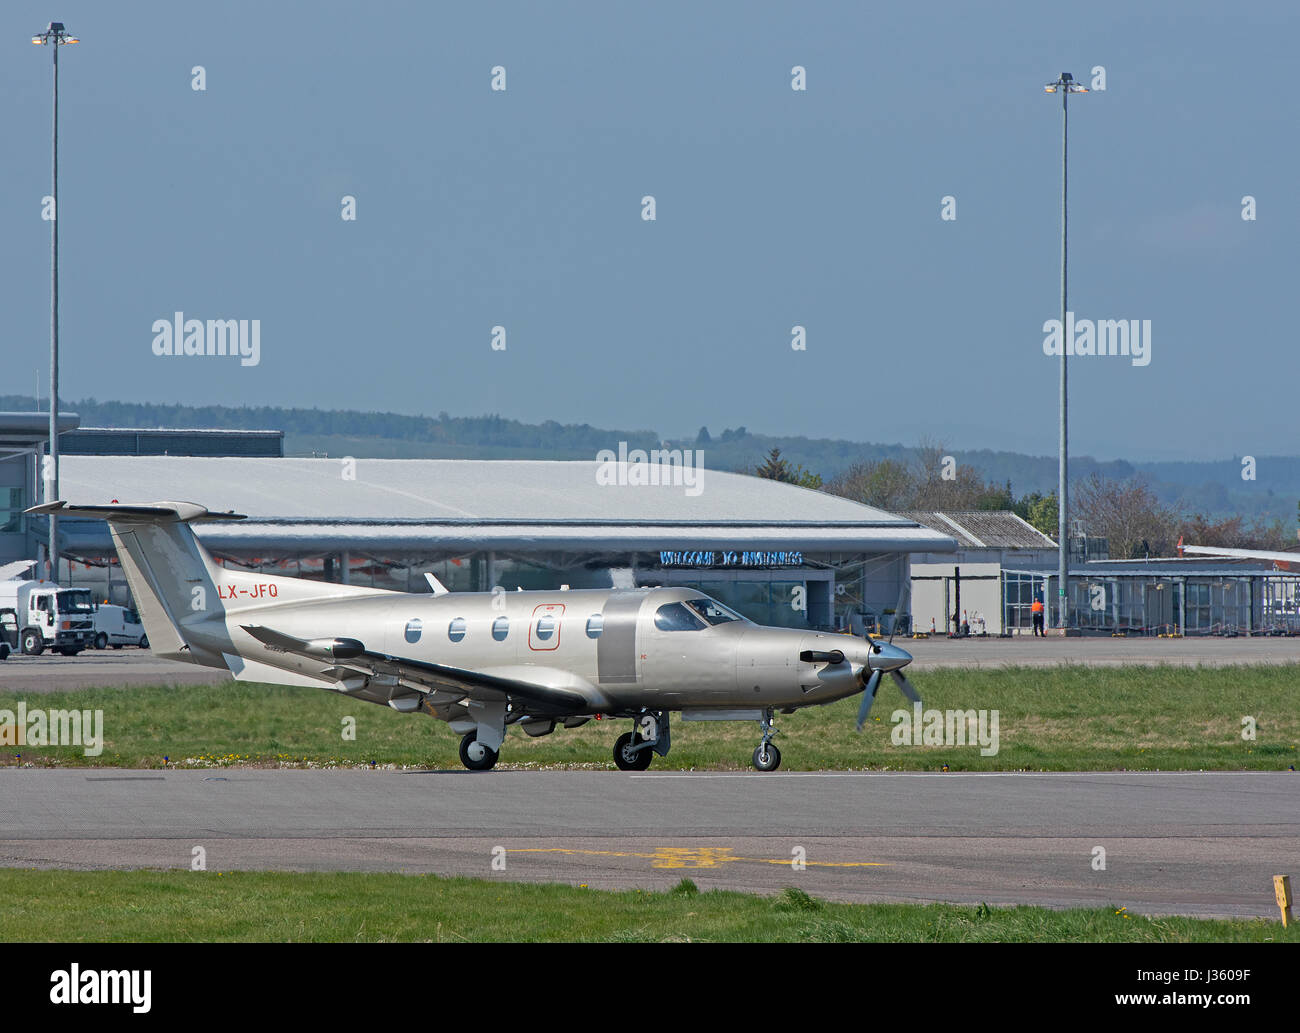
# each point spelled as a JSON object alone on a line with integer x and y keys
{"x": 886, "y": 658}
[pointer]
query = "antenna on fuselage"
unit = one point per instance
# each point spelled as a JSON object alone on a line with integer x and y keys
{"x": 438, "y": 587}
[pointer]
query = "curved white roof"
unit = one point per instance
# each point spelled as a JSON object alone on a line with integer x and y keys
{"x": 502, "y": 503}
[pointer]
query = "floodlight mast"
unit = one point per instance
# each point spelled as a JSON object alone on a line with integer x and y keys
{"x": 55, "y": 37}
{"x": 1065, "y": 85}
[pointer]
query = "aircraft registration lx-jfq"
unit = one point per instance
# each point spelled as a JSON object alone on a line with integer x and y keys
{"x": 482, "y": 661}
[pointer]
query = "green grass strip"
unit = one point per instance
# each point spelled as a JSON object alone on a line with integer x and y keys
{"x": 1068, "y": 718}
{"x": 171, "y": 906}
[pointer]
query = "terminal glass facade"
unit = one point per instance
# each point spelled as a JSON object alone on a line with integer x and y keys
{"x": 1019, "y": 590}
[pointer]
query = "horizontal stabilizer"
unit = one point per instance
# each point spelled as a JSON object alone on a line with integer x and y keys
{"x": 1243, "y": 554}
{"x": 255, "y": 671}
{"x": 317, "y": 648}
{"x": 150, "y": 513}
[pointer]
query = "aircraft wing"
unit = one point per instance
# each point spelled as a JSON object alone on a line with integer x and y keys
{"x": 347, "y": 658}
{"x": 1243, "y": 554}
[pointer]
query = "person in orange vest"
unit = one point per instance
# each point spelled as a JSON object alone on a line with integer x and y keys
{"x": 1037, "y": 610}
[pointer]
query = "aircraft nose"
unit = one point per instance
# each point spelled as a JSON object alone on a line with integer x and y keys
{"x": 890, "y": 658}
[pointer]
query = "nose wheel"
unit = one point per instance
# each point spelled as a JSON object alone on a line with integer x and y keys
{"x": 474, "y": 755}
{"x": 767, "y": 757}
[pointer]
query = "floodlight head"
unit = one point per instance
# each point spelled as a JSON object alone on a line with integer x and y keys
{"x": 56, "y": 34}
{"x": 1065, "y": 84}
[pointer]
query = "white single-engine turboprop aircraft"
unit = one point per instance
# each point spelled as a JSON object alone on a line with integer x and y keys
{"x": 482, "y": 661}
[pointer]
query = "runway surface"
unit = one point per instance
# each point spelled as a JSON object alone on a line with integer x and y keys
{"x": 130, "y": 666}
{"x": 1193, "y": 843}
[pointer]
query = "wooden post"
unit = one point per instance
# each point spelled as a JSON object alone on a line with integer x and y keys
{"x": 1282, "y": 890}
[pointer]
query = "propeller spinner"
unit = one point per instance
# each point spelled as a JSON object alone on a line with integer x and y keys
{"x": 885, "y": 659}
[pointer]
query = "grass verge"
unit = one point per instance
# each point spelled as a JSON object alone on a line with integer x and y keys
{"x": 151, "y": 906}
{"x": 1070, "y": 718}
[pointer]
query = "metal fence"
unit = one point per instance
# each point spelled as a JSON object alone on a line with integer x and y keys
{"x": 1255, "y": 603}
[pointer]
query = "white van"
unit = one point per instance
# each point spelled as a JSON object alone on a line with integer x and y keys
{"x": 117, "y": 626}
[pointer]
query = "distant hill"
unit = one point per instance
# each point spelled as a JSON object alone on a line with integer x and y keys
{"x": 368, "y": 434}
{"x": 1215, "y": 489}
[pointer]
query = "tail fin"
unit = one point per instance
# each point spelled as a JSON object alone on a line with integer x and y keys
{"x": 172, "y": 577}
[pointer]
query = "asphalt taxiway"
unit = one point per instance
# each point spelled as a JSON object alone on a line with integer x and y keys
{"x": 1191, "y": 843}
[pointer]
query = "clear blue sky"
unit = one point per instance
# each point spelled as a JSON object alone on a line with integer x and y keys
{"x": 775, "y": 208}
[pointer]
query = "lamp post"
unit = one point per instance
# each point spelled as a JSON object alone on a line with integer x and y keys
{"x": 1065, "y": 86}
{"x": 55, "y": 37}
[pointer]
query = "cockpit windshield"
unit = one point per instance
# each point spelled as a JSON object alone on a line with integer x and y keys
{"x": 694, "y": 615}
{"x": 712, "y": 611}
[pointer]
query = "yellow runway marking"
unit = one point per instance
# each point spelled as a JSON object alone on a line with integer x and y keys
{"x": 696, "y": 857}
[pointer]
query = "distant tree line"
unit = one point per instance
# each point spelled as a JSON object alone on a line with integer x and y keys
{"x": 1126, "y": 512}
{"x": 443, "y": 429}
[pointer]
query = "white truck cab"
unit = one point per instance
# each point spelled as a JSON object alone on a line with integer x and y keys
{"x": 49, "y": 616}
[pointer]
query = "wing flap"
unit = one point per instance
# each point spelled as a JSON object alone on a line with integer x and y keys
{"x": 441, "y": 683}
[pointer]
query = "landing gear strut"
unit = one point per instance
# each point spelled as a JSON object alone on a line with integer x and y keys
{"x": 631, "y": 752}
{"x": 767, "y": 757}
{"x": 634, "y": 750}
{"x": 474, "y": 755}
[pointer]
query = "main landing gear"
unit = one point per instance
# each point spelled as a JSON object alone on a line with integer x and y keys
{"x": 631, "y": 752}
{"x": 474, "y": 755}
{"x": 634, "y": 750}
{"x": 767, "y": 757}
{"x": 481, "y": 743}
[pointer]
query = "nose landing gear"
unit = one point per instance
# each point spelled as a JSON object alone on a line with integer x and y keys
{"x": 767, "y": 757}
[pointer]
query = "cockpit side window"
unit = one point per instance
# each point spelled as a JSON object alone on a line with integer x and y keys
{"x": 676, "y": 617}
{"x": 712, "y": 611}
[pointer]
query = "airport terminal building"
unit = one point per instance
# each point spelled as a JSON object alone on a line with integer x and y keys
{"x": 780, "y": 554}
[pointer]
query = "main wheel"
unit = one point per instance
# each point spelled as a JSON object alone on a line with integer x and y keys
{"x": 767, "y": 757}
{"x": 475, "y": 756}
{"x": 33, "y": 643}
{"x": 627, "y": 759}
{"x": 101, "y": 641}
